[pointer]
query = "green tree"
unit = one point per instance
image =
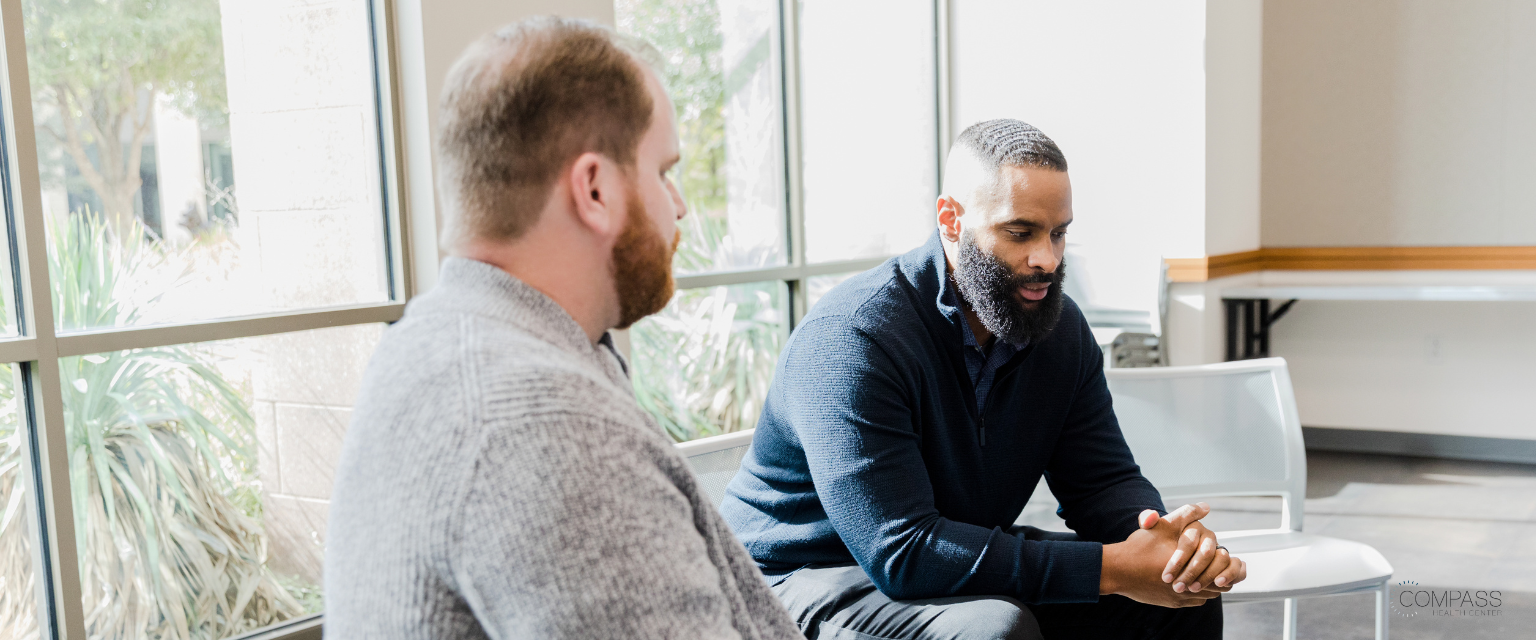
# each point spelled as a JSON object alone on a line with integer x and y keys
{"x": 703, "y": 365}
{"x": 97, "y": 65}
{"x": 687, "y": 33}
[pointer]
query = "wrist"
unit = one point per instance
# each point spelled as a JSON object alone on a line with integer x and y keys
{"x": 1109, "y": 570}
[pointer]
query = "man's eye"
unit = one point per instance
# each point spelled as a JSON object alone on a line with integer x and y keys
{"x": 1019, "y": 234}
{"x": 1059, "y": 235}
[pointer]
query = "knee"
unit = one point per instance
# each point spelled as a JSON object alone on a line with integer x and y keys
{"x": 995, "y": 618}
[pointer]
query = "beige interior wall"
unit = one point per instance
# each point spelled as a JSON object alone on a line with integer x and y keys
{"x": 1403, "y": 123}
{"x": 1120, "y": 85}
{"x": 1399, "y": 122}
{"x": 1234, "y": 54}
{"x": 430, "y": 36}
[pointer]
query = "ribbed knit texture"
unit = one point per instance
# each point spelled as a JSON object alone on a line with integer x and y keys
{"x": 498, "y": 480}
{"x": 870, "y": 449}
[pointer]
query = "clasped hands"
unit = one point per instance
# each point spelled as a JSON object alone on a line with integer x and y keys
{"x": 1195, "y": 570}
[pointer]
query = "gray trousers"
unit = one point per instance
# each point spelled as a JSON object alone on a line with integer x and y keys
{"x": 840, "y": 603}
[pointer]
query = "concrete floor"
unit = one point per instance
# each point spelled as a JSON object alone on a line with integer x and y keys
{"x": 1442, "y": 524}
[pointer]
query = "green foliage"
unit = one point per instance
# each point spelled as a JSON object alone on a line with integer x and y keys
{"x": 161, "y": 461}
{"x": 18, "y": 604}
{"x": 703, "y": 365}
{"x": 96, "y": 65}
{"x": 687, "y": 33}
{"x": 110, "y": 50}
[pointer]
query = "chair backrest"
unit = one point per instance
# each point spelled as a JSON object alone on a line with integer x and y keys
{"x": 715, "y": 461}
{"x": 1228, "y": 429}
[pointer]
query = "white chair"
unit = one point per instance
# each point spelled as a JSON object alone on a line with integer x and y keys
{"x": 715, "y": 461}
{"x": 1231, "y": 429}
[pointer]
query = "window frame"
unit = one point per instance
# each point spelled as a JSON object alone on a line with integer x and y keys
{"x": 38, "y": 346}
{"x": 797, "y": 272}
{"x": 411, "y": 256}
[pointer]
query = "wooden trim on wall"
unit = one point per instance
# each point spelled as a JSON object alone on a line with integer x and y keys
{"x": 1350, "y": 259}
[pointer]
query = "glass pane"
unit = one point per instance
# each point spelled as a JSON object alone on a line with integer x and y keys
{"x": 818, "y": 286}
{"x": 18, "y": 530}
{"x": 206, "y": 159}
{"x": 868, "y": 127}
{"x": 723, "y": 73}
{"x": 702, "y": 366}
{"x": 8, "y": 307}
{"x": 201, "y": 479}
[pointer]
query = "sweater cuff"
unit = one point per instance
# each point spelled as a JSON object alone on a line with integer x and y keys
{"x": 1074, "y": 574}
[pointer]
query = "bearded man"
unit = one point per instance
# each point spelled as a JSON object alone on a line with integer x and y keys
{"x": 919, "y": 404}
{"x": 498, "y": 479}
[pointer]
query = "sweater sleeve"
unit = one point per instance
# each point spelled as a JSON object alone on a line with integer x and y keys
{"x": 571, "y": 527}
{"x": 856, "y": 421}
{"x": 1096, "y": 480}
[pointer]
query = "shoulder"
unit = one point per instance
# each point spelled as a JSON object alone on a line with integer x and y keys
{"x": 872, "y": 304}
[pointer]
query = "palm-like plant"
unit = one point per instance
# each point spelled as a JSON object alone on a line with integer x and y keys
{"x": 161, "y": 459}
{"x": 703, "y": 365}
{"x": 18, "y": 605}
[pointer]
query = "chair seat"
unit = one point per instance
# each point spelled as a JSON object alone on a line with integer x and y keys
{"x": 1289, "y": 564}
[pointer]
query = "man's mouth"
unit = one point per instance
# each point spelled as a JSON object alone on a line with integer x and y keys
{"x": 1034, "y": 291}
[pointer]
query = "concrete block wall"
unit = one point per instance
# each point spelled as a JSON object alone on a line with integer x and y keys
{"x": 304, "y": 386}
{"x": 303, "y": 133}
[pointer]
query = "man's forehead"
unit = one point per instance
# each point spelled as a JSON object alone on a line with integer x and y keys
{"x": 1029, "y": 193}
{"x": 663, "y": 116}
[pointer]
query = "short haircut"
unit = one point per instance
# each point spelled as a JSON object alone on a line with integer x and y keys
{"x": 519, "y": 106}
{"x": 1007, "y": 142}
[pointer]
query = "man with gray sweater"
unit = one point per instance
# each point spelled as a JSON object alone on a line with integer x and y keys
{"x": 498, "y": 479}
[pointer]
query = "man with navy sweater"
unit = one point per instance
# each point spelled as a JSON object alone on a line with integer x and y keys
{"x": 918, "y": 405}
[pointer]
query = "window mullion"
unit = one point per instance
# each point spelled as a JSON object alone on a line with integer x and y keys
{"x": 391, "y": 134}
{"x": 126, "y": 338}
{"x": 795, "y": 206}
{"x": 789, "y": 42}
{"x": 65, "y": 612}
{"x": 412, "y": 145}
{"x": 943, "y": 98}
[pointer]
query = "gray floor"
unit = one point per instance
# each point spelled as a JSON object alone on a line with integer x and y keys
{"x": 1442, "y": 524}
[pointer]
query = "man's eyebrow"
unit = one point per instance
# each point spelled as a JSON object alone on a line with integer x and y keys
{"x": 1031, "y": 224}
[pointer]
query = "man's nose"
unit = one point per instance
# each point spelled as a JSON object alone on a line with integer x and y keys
{"x": 677, "y": 197}
{"x": 1044, "y": 258}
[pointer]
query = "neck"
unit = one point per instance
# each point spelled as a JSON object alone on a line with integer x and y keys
{"x": 562, "y": 270}
{"x": 983, "y": 336}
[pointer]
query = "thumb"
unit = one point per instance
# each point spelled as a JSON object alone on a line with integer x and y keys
{"x": 1147, "y": 519}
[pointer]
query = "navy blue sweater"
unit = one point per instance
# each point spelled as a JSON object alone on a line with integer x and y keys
{"x": 871, "y": 449}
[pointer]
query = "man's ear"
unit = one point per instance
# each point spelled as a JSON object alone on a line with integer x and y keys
{"x": 596, "y": 187}
{"x": 949, "y": 218}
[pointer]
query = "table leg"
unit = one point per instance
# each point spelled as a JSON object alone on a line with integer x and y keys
{"x": 1231, "y": 309}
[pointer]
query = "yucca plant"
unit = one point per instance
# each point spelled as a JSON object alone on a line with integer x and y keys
{"x": 18, "y": 592}
{"x": 161, "y": 457}
{"x": 703, "y": 365}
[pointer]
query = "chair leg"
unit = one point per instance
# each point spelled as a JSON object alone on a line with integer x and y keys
{"x": 1383, "y": 596}
{"x": 1288, "y": 630}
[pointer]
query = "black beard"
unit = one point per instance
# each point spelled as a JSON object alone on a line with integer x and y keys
{"x": 991, "y": 289}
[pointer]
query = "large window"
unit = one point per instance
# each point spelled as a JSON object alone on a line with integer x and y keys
{"x": 810, "y": 136}
{"x": 199, "y": 253}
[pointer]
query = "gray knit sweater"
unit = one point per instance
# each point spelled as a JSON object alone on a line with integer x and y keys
{"x": 498, "y": 480}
